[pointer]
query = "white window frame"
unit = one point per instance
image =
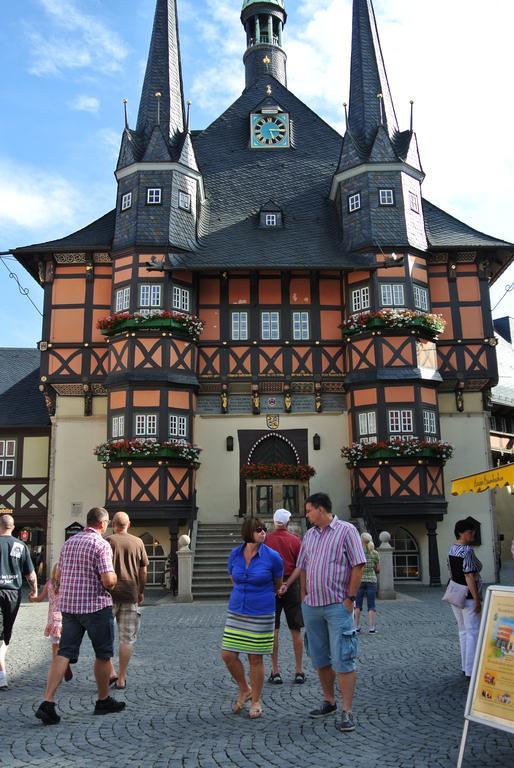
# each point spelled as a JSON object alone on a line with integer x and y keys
{"x": 118, "y": 427}
{"x": 386, "y": 196}
{"x": 7, "y": 458}
{"x": 354, "y": 202}
{"x": 181, "y": 299}
{"x": 361, "y": 299}
{"x": 301, "y": 326}
{"x": 146, "y": 425}
{"x": 270, "y": 326}
{"x": 154, "y": 196}
{"x": 239, "y": 326}
{"x": 271, "y": 220}
{"x": 122, "y": 299}
{"x": 126, "y": 201}
{"x": 178, "y": 426}
{"x": 150, "y": 295}
{"x": 421, "y": 298}
{"x": 413, "y": 202}
{"x": 184, "y": 201}
{"x": 429, "y": 422}
{"x": 401, "y": 422}
{"x": 367, "y": 426}
{"x": 392, "y": 295}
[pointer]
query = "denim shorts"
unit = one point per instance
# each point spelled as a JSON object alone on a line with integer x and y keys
{"x": 99, "y": 627}
{"x": 370, "y": 590}
{"x": 330, "y": 638}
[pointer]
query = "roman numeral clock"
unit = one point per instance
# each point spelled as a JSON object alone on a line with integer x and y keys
{"x": 269, "y": 130}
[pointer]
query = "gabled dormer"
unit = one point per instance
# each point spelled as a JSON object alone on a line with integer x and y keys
{"x": 377, "y": 187}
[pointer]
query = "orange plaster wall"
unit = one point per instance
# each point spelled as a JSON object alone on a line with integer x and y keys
{"x": 330, "y": 322}
{"x": 363, "y": 397}
{"x": 185, "y": 277}
{"x": 125, "y": 261}
{"x": 178, "y": 399}
{"x": 122, "y": 276}
{"x": 330, "y": 292}
{"x": 357, "y": 277}
{"x": 77, "y": 269}
{"x": 69, "y": 291}
{"x": 102, "y": 292}
{"x": 145, "y": 473}
{"x": 211, "y": 321}
{"x": 67, "y": 325}
{"x": 270, "y": 292}
{"x": 446, "y": 313}
{"x": 468, "y": 289}
{"x": 239, "y": 290}
{"x": 429, "y": 396}
{"x": 209, "y": 292}
{"x": 300, "y": 290}
{"x": 74, "y": 365}
{"x": 399, "y": 394}
{"x": 146, "y": 399}
{"x": 472, "y": 322}
{"x": 439, "y": 290}
{"x": 117, "y": 400}
{"x": 98, "y": 314}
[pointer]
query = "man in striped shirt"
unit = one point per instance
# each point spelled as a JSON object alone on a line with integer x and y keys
{"x": 86, "y": 576}
{"x": 330, "y": 565}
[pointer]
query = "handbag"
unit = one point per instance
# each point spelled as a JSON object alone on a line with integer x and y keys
{"x": 456, "y": 594}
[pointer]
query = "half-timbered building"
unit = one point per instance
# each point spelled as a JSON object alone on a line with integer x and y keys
{"x": 273, "y": 292}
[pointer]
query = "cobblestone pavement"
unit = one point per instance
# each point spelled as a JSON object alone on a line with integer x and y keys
{"x": 409, "y": 704}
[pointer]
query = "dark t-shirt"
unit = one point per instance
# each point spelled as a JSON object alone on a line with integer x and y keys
{"x": 15, "y": 562}
{"x": 128, "y": 556}
{"x": 287, "y": 545}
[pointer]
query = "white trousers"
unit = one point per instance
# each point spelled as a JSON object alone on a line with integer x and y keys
{"x": 468, "y": 623}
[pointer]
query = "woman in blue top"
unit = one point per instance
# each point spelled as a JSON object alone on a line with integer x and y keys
{"x": 256, "y": 571}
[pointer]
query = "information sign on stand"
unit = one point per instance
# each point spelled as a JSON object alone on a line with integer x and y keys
{"x": 491, "y": 692}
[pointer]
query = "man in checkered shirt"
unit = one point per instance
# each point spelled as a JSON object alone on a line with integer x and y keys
{"x": 87, "y": 578}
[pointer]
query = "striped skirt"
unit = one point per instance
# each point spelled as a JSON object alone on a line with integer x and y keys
{"x": 249, "y": 634}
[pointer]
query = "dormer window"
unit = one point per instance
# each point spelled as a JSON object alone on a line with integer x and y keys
{"x": 414, "y": 202}
{"x": 386, "y": 196}
{"x": 126, "y": 201}
{"x": 270, "y": 217}
{"x": 154, "y": 196}
{"x": 184, "y": 201}
{"x": 354, "y": 202}
{"x": 271, "y": 220}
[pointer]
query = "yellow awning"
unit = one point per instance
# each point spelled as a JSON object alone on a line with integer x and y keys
{"x": 482, "y": 481}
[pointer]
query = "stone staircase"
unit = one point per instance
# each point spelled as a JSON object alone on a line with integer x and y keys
{"x": 213, "y": 544}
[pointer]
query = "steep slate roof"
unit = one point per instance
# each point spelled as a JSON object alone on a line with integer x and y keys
{"x": 239, "y": 181}
{"x": 445, "y": 231}
{"x": 21, "y": 402}
{"x": 95, "y": 236}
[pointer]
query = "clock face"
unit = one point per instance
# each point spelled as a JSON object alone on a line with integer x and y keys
{"x": 270, "y": 131}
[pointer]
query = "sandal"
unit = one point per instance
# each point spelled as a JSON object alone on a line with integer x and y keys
{"x": 255, "y": 711}
{"x": 275, "y": 679}
{"x": 240, "y": 705}
{"x": 299, "y": 678}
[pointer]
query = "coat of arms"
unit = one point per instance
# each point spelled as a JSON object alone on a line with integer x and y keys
{"x": 273, "y": 421}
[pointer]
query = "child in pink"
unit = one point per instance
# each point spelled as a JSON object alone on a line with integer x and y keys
{"x": 53, "y": 628}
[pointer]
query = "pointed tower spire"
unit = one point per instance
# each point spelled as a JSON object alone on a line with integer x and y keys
{"x": 164, "y": 76}
{"x": 371, "y": 103}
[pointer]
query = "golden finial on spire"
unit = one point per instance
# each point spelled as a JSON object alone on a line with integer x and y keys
{"x": 266, "y": 60}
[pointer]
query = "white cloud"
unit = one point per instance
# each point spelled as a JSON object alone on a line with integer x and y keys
{"x": 111, "y": 140}
{"x": 77, "y": 40}
{"x": 85, "y": 104}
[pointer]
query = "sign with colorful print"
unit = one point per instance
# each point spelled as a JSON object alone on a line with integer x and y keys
{"x": 491, "y": 692}
{"x": 272, "y": 422}
{"x": 24, "y": 535}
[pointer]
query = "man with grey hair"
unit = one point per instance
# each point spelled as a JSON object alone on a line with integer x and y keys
{"x": 15, "y": 563}
{"x": 130, "y": 565}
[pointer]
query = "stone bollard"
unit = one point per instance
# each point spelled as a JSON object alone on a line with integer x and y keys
{"x": 185, "y": 570}
{"x": 386, "y": 575}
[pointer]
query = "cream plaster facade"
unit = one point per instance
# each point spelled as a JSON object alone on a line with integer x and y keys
{"x": 35, "y": 456}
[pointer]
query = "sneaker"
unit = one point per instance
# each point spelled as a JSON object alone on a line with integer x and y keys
{"x": 46, "y": 712}
{"x": 108, "y": 706}
{"x": 357, "y": 629}
{"x": 345, "y": 723}
{"x": 372, "y": 631}
{"x": 326, "y": 709}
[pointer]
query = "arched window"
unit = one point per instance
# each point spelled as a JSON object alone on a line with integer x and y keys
{"x": 152, "y": 546}
{"x": 406, "y": 557}
{"x": 273, "y": 449}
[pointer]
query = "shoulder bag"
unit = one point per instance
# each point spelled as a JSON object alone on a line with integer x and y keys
{"x": 456, "y": 594}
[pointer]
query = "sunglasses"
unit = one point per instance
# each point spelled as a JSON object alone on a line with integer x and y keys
{"x": 261, "y": 529}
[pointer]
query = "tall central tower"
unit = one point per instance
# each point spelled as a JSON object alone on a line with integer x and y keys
{"x": 264, "y": 21}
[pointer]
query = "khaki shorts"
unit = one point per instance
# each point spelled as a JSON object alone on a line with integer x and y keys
{"x": 128, "y": 619}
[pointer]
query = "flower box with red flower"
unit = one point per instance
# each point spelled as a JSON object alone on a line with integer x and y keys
{"x": 155, "y": 320}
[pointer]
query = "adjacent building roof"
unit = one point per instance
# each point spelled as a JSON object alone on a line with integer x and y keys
{"x": 21, "y": 402}
{"x": 445, "y": 231}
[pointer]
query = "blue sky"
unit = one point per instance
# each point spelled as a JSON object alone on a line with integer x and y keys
{"x": 67, "y": 65}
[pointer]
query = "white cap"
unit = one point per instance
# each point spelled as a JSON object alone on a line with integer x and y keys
{"x": 281, "y": 516}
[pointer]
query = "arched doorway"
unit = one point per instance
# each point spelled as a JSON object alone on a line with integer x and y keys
{"x": 157, "y": 560}
{"x": 264, "y": 496}
{"x": 274, "y": 449}
{"x": 406, "y": 557}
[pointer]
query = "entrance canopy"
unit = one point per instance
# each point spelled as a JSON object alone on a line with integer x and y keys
{"x": 482, "y": 481}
